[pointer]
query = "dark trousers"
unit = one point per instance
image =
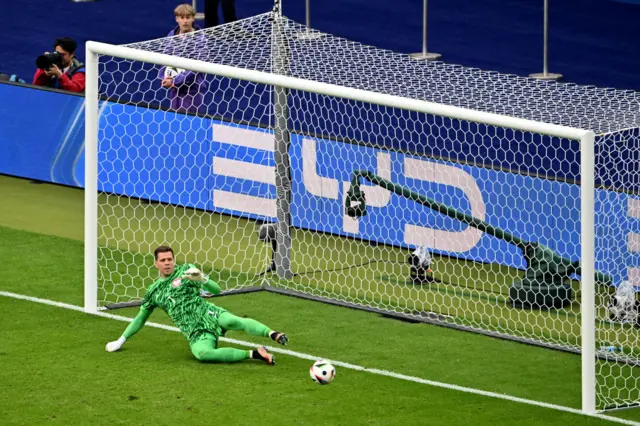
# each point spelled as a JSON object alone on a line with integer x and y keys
{"x": 211, "y": 12}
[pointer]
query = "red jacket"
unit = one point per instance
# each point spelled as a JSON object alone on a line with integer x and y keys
{"x": 73, "y": 80}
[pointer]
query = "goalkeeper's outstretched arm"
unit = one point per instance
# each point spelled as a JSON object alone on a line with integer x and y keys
{"x": 135, "y": 326}
{"x": 211, "y": 286}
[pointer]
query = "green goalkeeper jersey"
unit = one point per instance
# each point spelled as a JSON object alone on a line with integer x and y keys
{"x": 181, "y": 300}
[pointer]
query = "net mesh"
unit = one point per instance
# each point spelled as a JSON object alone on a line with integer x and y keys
{"x": 201, "y": 177}
{"x": 330, "y": 59}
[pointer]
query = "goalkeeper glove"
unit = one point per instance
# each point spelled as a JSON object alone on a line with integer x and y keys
{"x": 194, "y": 274}
{"x": 116, "y": 344}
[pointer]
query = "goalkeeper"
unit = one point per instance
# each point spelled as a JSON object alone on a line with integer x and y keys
{"x": 177, "y": 292}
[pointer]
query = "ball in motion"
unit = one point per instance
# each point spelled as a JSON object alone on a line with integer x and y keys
{"x": 322, "y": 372}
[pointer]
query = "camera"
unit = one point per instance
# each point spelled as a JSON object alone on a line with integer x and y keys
{"x": 47, "y": 60}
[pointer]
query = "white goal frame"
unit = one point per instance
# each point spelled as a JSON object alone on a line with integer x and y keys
{"x": 587, "y": 168}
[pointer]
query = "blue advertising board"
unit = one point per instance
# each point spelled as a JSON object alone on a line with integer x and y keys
{"x": 230, "y": 168}
{"x": 41, "y": 133}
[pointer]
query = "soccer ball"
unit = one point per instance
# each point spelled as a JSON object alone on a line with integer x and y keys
{"x": 322, "y": 372}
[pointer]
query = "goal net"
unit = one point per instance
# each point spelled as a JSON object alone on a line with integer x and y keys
{"x": 284, "y": 159}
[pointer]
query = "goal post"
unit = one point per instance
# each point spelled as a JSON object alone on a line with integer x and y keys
{"x": 93, "y": 49}
{"x": 91, "y": 182}
{"x": 269, "y": 159}
{"x": 587, "y": 239}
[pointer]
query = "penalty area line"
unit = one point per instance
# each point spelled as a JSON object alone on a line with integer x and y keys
{"x": 340, "y": 363}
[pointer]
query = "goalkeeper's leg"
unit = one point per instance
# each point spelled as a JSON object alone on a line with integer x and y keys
{"x": 228, "y": 321}
{"x": 206, "y": 349}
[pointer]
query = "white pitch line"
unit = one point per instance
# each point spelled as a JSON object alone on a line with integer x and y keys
{"x": 343, "y": 364}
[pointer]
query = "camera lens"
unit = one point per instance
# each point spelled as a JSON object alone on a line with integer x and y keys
{"x": 43, "y": 62}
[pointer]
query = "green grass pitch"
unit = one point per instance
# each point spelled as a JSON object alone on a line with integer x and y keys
{"x": 53, "y": 367}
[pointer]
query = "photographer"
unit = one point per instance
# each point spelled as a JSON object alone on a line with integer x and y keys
{"x": 61, "y": 69}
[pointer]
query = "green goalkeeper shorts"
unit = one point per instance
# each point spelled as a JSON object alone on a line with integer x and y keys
{"x": 210, "y": 326}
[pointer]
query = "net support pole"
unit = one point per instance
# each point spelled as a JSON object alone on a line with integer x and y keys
{"x": 425, "y": 55}
{"x": 545, "y": 75}
{"x": 91, "y": 183}
{"x": 587, "y": 307}
{"x": 282, "y": 141}
{"x": 308, "y": 33}
{"x": 199, "y": 16}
